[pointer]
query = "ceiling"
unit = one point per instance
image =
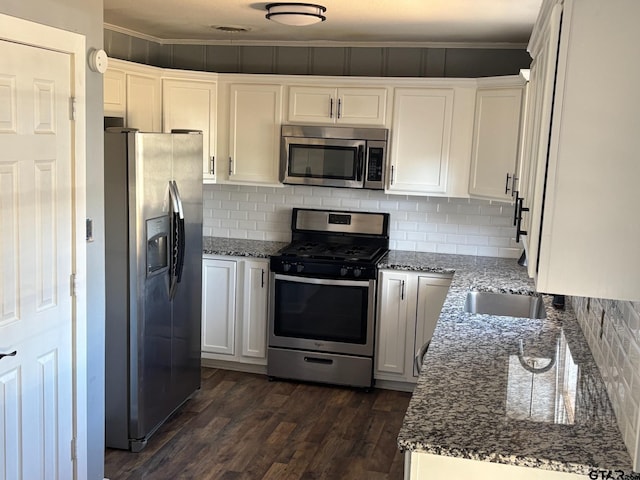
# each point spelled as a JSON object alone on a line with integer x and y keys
{"x": 354, "y": 22}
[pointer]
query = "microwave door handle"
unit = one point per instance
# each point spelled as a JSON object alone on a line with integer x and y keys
{"x": 360, "y": 164}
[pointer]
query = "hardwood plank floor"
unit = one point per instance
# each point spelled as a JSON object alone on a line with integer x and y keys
{"x": 241, "y": 426}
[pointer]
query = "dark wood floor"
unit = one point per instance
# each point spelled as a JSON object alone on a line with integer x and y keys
{"x": 241, "y": 426}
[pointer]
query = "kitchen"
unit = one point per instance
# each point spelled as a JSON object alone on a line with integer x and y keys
{"x": 238, "y": 194}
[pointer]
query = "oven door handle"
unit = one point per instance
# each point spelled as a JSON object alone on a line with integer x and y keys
{"x": 322, "y": 281}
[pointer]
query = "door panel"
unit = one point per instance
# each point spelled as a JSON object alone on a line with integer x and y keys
{"x": 36, "y": 263}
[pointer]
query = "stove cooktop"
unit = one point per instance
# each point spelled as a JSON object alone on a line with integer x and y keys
{"x": 329, "y": 251}
{"x": 334, "y": 244}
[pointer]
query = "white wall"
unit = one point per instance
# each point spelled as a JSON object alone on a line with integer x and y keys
{"x": 425, "y": 224}
{"x": 85, "y": 17}
{"x": 612, "y": 329}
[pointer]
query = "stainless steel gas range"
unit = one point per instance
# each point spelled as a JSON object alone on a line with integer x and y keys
{"x": 323, "y": 297}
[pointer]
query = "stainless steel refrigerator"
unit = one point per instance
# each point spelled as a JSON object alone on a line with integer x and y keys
{"x": 153, "y": 245}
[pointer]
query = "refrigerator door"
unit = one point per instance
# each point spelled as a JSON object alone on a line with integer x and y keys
{"x": 150, "y": 169}
{"x": 187, "y": 304}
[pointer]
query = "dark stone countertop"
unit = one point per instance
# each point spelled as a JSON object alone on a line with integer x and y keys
{"x": 474, "y": 399}
{"x": 234, "y": 247}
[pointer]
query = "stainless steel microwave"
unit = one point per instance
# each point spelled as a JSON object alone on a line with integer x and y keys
{"x": 334, "y": 156}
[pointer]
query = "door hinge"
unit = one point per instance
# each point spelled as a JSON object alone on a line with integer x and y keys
{"x": 73, "y": 285}
{"x": 72, "y": 108}
{"x": 74, "y": 449}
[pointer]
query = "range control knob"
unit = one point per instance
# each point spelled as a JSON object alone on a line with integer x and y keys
{"x": 299, "y": 267}
{"x": 343, "y": 272}
{"x": 357, "y": 272}
{"x": 286, "y": 266}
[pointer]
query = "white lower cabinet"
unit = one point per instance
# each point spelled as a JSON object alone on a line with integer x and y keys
{"x": 234, "y": 309}
{"x": 423, "y": 466}
{"x": 409, "y": 305}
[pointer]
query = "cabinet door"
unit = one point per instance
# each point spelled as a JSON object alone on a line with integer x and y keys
{"x": 432, "y": 292}
{"x": 144, "y": 102}
{"x": 115, "y": 93}
{"x": 590, "y": 226}
{"x": 312, "y": 104}
{"x": 543, "y": 70}
{"x": 218, "y": 306}
{"x": 420, "y": 140}
{"x": 254, "y": 133}
{"x": 192, "y": 105}
{"x": 496, "y": 137}
{"x": 392, "y": 322}
{"x": 254, "y": 309}
{"x": 362, "y": 106}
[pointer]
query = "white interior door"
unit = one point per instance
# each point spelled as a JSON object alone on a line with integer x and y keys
{"x": 36, "y": 391}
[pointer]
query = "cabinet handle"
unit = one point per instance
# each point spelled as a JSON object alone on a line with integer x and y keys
{"x": 514, "y": 180}
{"x": 262, "y": 281}
{"x": 331, "y": 108}
{"x": 392, "y": 176}
{"x": 230, "y": 166}
{"x": 12, "y": 354}
{"x": 519, "y": 231}
{"x": 402, "y": 290}
{"x": 212, "y": 165}
{"x": 506, "y": 185}
{"x": 339, "y": 107}
{"x": 515, "y": 209}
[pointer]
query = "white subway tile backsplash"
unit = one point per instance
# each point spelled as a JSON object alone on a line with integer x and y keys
{"x": 616, "y": 350}
{"x": 446, "y": 248}
{"x": 487, "y": 252}
{"x": 466, "y": 250}
{"x": 426, "y": 224}
{"x": 448, "y": 228}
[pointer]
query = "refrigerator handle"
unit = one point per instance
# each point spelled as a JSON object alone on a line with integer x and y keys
{"x": 177, "y": 239}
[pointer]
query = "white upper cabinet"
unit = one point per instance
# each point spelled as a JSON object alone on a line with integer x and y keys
{"x": 420, "y": 139}
{"x": 254, "y": 113}
{"x": 144, "y": 102}
{"x": 133, "y": 92}
{"x": 431, "y": 140}
{"x": 192, "y": 105}
{"x": 584, "y": 213}
{"x": 496, "y": 136}
{"x": 330, "y": 105}
{"x": 115, "y": 93}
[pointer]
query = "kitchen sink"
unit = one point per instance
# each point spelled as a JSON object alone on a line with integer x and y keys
{"x": 505, "y": 304}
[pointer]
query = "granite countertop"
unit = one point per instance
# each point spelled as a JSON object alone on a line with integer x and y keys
{"x": 474, "y": 399}
{"x": 235, "y": 247}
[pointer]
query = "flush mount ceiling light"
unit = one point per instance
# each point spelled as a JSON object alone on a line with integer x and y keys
{"x": 297, "y": 14}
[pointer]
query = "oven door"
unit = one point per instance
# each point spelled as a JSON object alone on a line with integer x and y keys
{"x": 323, "y": 315}
{"x": 319, "y": 161}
